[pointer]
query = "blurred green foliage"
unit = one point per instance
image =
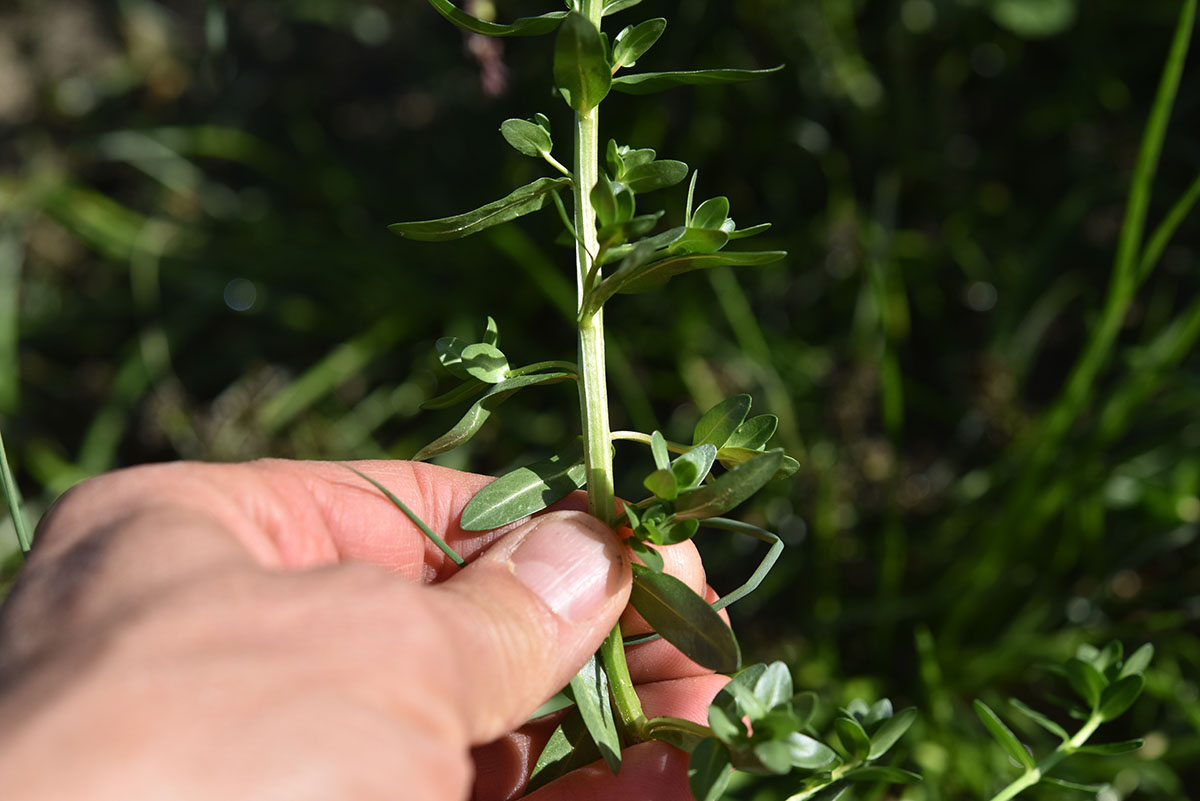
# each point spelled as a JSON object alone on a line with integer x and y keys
{"x": 194, "y": 263}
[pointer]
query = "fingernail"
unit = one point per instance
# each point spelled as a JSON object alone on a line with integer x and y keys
{"x": 571, "y": 562}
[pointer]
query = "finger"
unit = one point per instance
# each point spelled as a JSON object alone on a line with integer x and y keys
{"x": 526, "y": 615}
{"x": 287, "y": 514}
{"x": 682, "y": 698}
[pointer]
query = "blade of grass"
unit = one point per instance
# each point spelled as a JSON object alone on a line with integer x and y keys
{"x": 1126, "y": 272}
{"x": 411, "y": 515}
{"x": 12, "y": 494}
{"x": 1166, "y": 229}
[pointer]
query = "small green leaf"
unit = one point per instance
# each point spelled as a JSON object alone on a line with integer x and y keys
{"x": 526, "y": 200}
{"x": 711, "y": 215}
{"x": 570, "y": 747}
{"x": 806, "y": 753}
{"x": 804, "y": 707}
{"x": 525, "y": 26}
{"x": 613, "y": 6}
{"x": 654, "y": 175}
{"x": 618, "y": 233}
{"x": 684, "y": 619}
{"x": 1138, "y": 661}
{"x": 1119, "y": 696}
{"x": 730, "y": 489}
{"x": 774, "y": 756}
{"x": 525, "y": 491}
{"x": 1040, "y": 719}
{"x": 692, "y": 467}
{"x": 853, "y": 737}
{"x": 484, "y": 362}
{"x": 641, "y": 275}
{"x": 754, "y": 434}
{"x": 581, "y": 69}
{"x": 649, "y": 555}
{"x": 1070, "y": 785}
{"x": 882, "y": 773}
{"x": 890, "y": 731}
{"x": 658, "y": 448}
{"x": 479, "y": 412}
{"x": 1003, "y": 735}
{"x": 726, "y": 724}
{"x": 720, "y": 422}
{"x": 1086, "y": 680}
{"x": 1109, "y": 749}
{"x": 604, "y": 201}
{"x": 709, "y": 771}
{"x": 589, "y": 688}
{"x": 774, "y": 686}
{"x": 491, "y": 333}
{"x": 634, "y": 41}
{"x": 662, "y": 484}
{"x": 527, "y": 137}
{"x": 648, "y": 82}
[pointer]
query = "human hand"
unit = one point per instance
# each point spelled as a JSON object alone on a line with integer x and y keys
{"x": 279, "y": 630}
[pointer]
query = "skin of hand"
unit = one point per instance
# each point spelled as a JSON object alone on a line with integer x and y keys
{"x": 279, "y": 630}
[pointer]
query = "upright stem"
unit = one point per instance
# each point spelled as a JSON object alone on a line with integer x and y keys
{"x": 593, "y": 396}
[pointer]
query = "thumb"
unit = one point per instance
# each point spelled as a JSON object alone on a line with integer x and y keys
{"x": 523, "y": 618}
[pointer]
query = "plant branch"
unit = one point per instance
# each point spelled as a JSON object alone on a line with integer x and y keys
{"x": 1064, "y": 750}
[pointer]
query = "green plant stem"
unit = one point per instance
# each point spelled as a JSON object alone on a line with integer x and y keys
{"x": 593, "y": 391}
{"x": 12, "y": 494}
{"x": 1064, "y": 750}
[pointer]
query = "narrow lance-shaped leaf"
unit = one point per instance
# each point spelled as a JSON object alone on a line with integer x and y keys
{"x": 658, "y": 448}
{"x": 684, "y": 619}
{"x": 1066, "y": 784}
{"x": 853, "y": 737}
{"x": 613, "y": 6}
{"x": 755, "y": 433}
{"x": 890, "y": 731}
{"x": 641, "y": 277}
{"x": 709, "y": 770}
{"x": 1040, "y": 719}
{"x": 1138, "y": 661}
{"x": 645, "y": 83}
{"x": 524, "y": 26}
{"x": 526, "y": 200}
{"x": 473, "y": 420}
{"x": 581, "y": 69}
{"x": 462, "y": 392}
{"x": 1086, "y": 680}
{"x": 1119, "y": 696}
{"x": 1110, "y": 749}
{"x": 589, "y": 688}
{"x": 719, "y": 423}
{"x": 1003, "y": 735}
{"x": 632, "y": 43}
{"x": 570, "y": 747}
{"x": 525, "y": 490}
{"x": 730, "y": 489}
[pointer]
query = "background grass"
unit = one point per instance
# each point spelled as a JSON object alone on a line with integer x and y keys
{"x": 194, "y": 263}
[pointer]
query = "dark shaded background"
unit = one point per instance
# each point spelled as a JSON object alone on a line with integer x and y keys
{"x": 194, "y": 262}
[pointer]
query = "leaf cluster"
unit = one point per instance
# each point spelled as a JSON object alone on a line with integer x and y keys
{"x": 760, "y": 726}
{"x": 1105, "y": 685}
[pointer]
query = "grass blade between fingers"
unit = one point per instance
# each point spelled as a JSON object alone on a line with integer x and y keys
{"x": 411, "y": 515}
